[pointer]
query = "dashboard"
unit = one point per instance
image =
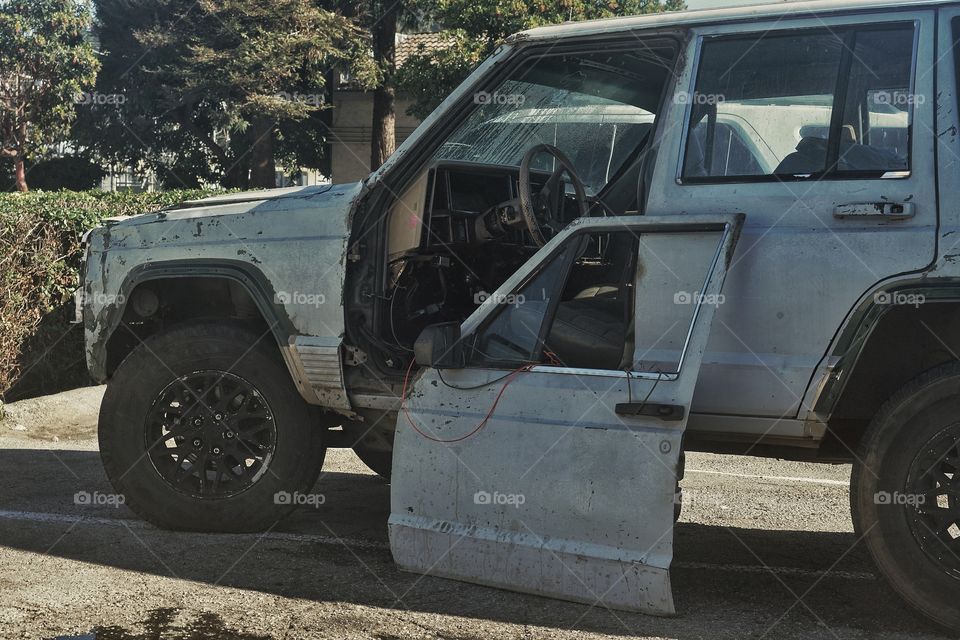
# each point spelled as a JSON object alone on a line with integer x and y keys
{"x": 455, "y": 235}
{"x": 444, "y": 206}
{"x": 460, "y": 194}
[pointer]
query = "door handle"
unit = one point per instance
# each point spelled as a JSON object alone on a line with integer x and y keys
{"x": 884, "y": 210}
{"x": 666, "y": 412}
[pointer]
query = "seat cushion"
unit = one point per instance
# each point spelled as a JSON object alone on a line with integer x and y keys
{"x": 588, "y": 333}
{"x": 601, "y": 290}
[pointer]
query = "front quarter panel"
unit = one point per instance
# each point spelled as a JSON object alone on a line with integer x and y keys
{"x": 292, "y": 248}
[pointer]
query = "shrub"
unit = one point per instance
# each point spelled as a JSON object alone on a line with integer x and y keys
{"x": 40, "y": 258}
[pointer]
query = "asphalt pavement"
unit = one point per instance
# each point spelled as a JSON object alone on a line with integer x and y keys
{"x": 764, "y": 549}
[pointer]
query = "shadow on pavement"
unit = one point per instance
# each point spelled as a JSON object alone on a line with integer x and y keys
{"x": 736, "y": 599}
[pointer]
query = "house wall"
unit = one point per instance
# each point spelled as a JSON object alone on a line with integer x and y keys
{"x": 351, "y": 131}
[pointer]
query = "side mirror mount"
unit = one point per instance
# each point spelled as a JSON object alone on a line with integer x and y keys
{"x": 439, "y": 346}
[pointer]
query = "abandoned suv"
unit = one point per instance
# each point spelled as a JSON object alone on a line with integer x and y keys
{"x": 724, "y": 230}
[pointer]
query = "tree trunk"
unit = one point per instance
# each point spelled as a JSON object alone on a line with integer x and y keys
{"x": 263, "y": 166}
{"x": 237, "y": 177}
{"x": 19, "y": 161}
{"x": 325, "y": 120}
{"x": 21, "y": 175}
{"x": 236, "y": 172}
{"x": 383, "y": 140}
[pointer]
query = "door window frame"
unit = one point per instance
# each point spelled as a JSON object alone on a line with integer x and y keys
{"x": 636, "y": 225}
{"x": 841, "y": 87}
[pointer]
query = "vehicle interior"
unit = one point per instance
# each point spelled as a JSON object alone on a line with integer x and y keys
{"x": 568, "y": 134}
{"x": 560, "y": 137}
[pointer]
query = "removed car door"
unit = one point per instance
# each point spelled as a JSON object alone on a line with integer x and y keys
{"x": 544, "y": 463}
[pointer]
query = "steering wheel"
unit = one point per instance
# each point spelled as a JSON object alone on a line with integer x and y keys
{"x": 540, "y": 210}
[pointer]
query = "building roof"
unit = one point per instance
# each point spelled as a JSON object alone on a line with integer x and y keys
{"x": 409, "y": 44}
{"x": 773, "y": 11}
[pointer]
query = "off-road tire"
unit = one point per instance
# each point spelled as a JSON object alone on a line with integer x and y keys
{"x": 906, "y": 424}
{"x": 170, "y": 356}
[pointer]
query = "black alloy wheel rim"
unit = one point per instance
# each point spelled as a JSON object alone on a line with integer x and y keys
{"x": 210, "y": 434}
{"x": 932, "y": 499}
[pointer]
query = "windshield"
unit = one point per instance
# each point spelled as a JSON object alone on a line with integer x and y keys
{"x": 596, "y": 108}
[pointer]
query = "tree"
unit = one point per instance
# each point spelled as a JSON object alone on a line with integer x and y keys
{"x": 382, "y": 19}
{"x": 383, "y": 141}
{"x": 211, "y": 86}
{"x": 476, "y": 27}
{"x": 46, "y": 63}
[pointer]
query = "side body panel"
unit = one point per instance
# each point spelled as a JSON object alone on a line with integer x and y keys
{"x": 940, "y": 283}
{"x": 799, "y": 269}
{"x": 947, "y": 148}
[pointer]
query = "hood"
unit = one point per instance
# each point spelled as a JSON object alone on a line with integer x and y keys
{"x": 258, "y": 216}
{"x": 238, "y": 203}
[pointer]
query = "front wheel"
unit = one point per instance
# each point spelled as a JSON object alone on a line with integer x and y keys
{"x": 201, "y": 429}
{"x": 905, "y": 493}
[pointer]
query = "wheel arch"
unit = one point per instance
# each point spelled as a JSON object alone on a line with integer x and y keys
{"x": 895, "y": 335}
{"x": 183, "y": 291}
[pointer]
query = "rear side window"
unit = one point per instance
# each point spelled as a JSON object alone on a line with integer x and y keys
{"x": 820, "y": 103}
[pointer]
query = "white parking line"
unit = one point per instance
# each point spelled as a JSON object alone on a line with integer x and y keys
{"x": 64, "y": 518}
{"x": 356, "y": 543}
{"x": 837, "y": 483}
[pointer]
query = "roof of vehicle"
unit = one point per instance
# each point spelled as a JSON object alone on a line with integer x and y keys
{"x": 809, "y": 8}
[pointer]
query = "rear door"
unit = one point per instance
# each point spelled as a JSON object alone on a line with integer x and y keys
{"x": 819, "y": 129}
{"x": 549, "y": 463}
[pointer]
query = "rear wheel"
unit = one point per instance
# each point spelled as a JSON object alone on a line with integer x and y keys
{"x": 201, "y": 429}
{"x": 905, "y": 493}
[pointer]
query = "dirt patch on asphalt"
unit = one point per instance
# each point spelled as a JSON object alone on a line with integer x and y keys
{"x": 68, "y": 416}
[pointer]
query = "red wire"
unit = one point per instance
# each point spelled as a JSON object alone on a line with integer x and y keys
{"x": 479, "y": 426}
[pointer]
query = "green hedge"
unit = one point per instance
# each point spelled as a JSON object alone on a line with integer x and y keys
{"x": 40, "y": 351}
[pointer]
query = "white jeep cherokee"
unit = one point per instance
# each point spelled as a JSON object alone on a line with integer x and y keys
{"x": 730, "y": 230}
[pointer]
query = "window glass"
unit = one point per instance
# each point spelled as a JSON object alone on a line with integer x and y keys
{"x": 670, "y": 288}
{"x": 596, "y": 107}
{"x": 876, "y": 115}
{"x": 765, "y": 105}
{"x": 732, "y": 153}
{"x": 779, "y": 88}
{"x": 513, "y": 337}
{"x": 590, "y": 327}
{"x": 588, "y": 320}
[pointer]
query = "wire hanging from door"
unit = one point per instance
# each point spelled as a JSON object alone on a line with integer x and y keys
{"x": 509, "y": 378}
